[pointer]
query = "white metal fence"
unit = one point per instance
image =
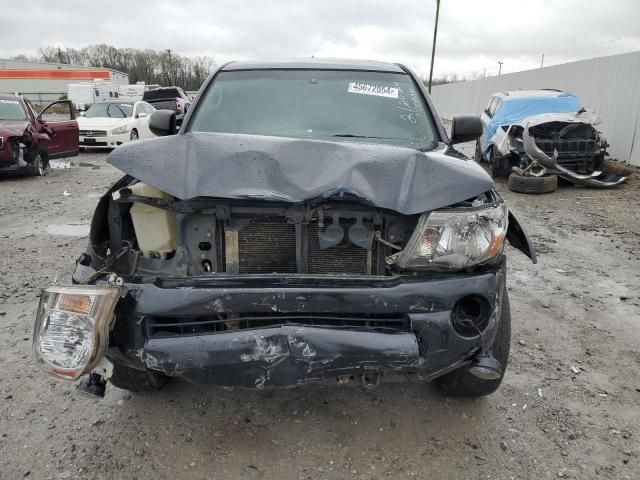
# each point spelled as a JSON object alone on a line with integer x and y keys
{"x": 610, "y": 86}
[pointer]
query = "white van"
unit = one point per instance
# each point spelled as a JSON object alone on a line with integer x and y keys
{"x": 85, "y": 94}
{"x": 132, "y": 92}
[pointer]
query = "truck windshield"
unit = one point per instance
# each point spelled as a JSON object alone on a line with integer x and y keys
{"x": 110, "y": 110}
{"x": 319, "y": 104}
{"x": 11, "y": 110}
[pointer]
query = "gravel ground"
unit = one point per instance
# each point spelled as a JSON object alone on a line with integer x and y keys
{"x": 578, "y": 309}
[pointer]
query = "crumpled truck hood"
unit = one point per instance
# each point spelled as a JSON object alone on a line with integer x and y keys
{"x": 235, "y": 166}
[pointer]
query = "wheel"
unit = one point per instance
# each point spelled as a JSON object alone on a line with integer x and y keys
{"x": 478, "y": 154}
{"x": 495, "y": 164}
{"x": 499, "y": 166}
{"x": 38, "y": 167}
{"x": 494, "y": 167}
{"x": 134, "y": 380}
{"x": 461, "y": 383}
{"x": 526, "y": 184}
{"x": 133, "y": 136}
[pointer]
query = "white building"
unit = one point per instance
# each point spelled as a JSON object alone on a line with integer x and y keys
{"x": 42, "y": 82}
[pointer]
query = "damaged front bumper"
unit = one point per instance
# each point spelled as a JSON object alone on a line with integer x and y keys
{"x": 263, "y": 331}
{"x": 597, "y": 178}
{"x": 13, "y": 161}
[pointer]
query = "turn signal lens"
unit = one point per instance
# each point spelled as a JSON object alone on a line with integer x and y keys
{"x": 75, "y": 303}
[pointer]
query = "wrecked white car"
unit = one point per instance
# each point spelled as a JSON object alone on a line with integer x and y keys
{"x": 536, "y": 136}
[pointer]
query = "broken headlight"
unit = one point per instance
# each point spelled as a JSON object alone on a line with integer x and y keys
{"x": 450, "y": 239}
{"x": 72, "y": 328}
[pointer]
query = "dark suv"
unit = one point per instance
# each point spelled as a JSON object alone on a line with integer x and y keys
{"x": 310, "y": 222}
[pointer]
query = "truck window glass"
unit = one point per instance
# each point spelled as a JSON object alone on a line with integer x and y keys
{"x": 319, "y": 104}
{"x": 11, "y": 110}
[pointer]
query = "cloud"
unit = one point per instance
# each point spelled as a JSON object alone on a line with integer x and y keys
{"x": 473, "y": 35}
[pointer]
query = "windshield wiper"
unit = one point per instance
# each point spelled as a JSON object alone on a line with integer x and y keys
{"x": 351, "y": 135}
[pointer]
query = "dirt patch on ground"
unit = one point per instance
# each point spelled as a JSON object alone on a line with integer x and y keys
{"x": 577, "y": 310}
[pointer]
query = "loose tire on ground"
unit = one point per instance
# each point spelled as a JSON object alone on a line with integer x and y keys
{"x": 526, "y": 184}
{"x": 134, "y": 380}
{"x": 461, "y": 383}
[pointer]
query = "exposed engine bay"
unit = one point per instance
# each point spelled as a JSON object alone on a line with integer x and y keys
{"x": 151, "y": 233}
{"x": 564, "y": 144}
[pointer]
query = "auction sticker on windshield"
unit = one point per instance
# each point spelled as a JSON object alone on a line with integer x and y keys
{"x": 373, "y": 89}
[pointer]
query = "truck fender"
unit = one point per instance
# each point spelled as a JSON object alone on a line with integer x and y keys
{"x": 519, "y": 239}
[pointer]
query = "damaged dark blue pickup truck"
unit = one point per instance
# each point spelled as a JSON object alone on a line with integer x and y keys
{"x": 310, "y": 222}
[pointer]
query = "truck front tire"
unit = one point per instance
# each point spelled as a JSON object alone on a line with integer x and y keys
{"x": 135, "y": 380}
{"x": 461, "y": 383}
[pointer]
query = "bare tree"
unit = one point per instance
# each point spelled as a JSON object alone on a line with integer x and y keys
{"x": 149, "y": 66}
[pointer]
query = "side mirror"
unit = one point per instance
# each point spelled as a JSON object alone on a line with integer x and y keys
{"x": 465, "y": 128}
{"x": 141, "y": 114}
{"x": 162, "y": 123}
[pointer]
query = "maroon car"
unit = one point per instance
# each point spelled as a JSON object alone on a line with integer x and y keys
{"x": 29, "y": 140}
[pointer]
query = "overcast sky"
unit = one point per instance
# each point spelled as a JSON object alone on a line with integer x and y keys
{"x": 473, "y": 35}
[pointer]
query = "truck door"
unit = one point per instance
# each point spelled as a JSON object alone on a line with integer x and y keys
{"x": 59, "y": 120}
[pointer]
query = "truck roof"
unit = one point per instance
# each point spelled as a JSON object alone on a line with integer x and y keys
{"x": 315, "y": 64}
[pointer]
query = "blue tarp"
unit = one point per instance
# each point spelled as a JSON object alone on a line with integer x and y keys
{"x": 513, "y": 110}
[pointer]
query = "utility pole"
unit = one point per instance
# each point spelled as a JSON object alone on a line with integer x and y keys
{"x": 433, "y": 47}
{"x": 500, "y": 67}
{"x": 542, "y": 62}
{"x": 169, "y": 52}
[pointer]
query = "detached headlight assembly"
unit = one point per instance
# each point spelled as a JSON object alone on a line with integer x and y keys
{"x": 71, "y": 332}
{"x": 455, "y": 239}
{"x": 120, "y": 130}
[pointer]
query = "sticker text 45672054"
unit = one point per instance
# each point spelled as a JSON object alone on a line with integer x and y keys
{"x": 373, "y": 89}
